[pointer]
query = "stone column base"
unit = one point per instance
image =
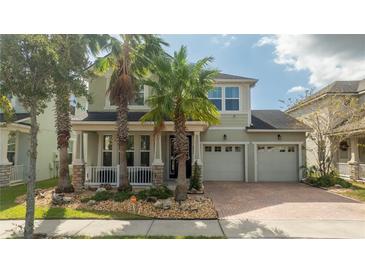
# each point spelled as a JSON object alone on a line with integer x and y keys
{"x": 157, "y": 174}
{"x": 5, "y": 174}
{"x": 78, "y": 176}
{"x": 354, "y": 170}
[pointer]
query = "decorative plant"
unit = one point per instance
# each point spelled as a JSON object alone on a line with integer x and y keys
{"x": 195, "y": 181}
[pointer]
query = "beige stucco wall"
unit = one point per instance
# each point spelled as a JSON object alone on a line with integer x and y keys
{"x": 47, "y": 143}
{"x": 98, "y": 87}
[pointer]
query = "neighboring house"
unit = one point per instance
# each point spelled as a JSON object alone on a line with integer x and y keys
{"x": 349, "y": 157}
{"x": 248, "y": 145}
{"x": 15, "y": 143}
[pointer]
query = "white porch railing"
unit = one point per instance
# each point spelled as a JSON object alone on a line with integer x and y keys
{"x": 362, "y": 172}
{"x": 96, "y": 175}
{"x": 140, "y": 175}
{"x": 343, "y": 170}
{"x": 137, "y": 175}
{"x": 16, "y": 173}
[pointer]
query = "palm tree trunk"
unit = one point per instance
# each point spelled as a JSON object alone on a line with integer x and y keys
{"x": 63, "y": 125}
{"x": 181, "y": 147}
{"x": 122, "y": 122}
{"x": 30, "y": 202}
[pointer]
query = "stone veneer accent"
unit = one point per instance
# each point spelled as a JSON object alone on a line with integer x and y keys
{"x": 354, "y": 171}
{"x": 5, "y": 175}
{"x": 157, "y": 174}
{"x": 78, "y": 176}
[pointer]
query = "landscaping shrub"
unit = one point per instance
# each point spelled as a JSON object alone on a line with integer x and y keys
{"x": 161, "y": 192}
{"x": 102, "y": 196}
{"x": 195, "y": 181}
{"x": 328, "y": 181}
{"x": 122, "y": 196}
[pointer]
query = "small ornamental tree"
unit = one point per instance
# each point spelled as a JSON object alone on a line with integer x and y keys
{"x": 195, "y": 181}
{"x": 324, "y": 118}
{"x": 25, "y": 65}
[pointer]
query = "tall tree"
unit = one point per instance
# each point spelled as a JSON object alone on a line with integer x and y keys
{"x": 6, "y": 107}
{"x": 69, "y": 74}
{"x": 25, "y": 63}
{"x": 180, "y": 92}
{"x": 128, "y": 57}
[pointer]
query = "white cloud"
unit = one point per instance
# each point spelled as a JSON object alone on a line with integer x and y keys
{"x": 224, "y": 40}
{"x": 297, "y": 89}
{"x": 327, "y": 57}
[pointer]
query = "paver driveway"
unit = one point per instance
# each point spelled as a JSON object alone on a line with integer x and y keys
{"x": 280, "y": 201}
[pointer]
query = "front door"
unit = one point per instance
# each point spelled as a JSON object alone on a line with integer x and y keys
{"x": 173, "y": 161}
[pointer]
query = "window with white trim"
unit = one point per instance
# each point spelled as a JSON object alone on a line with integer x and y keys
{"x": 232, "y": 98}
{"x": 70, "y": 151}
{"x": 215, "y": 96}
{"x": 11, "y": 147}
{"x": 107, "y": 150}
{"x": 130, "y": 151}
{"x": 225, "y": 98}
{"x": 145, "y": 150}
{"x": 138, "y": 99}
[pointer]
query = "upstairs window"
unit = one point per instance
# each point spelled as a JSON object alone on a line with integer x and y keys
{"x": 215, "y": 96}
{"x": 232, "y": 96}
{"x": 225, "y": 98}
{"x": 138, "y": 99}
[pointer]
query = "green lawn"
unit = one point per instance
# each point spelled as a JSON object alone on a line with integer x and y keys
{"x": 357, "y": 191}
{"x": 10, "y": 210}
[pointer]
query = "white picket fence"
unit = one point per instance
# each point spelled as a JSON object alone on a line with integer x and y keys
{"x": 343, "y": 170}
{"x": 16, "y": 173}
{"x": 362, "y": 172}
{"x": 137, "y": 175}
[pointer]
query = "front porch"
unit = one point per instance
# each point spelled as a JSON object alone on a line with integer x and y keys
{"x": 13, "y": 153}
{"x": 150, "y": 156}
{"x": 351, "y": 158}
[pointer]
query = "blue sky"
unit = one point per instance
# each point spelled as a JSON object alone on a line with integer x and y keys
{"x": 238, "y": 55}
{"x": 285, "y": 65}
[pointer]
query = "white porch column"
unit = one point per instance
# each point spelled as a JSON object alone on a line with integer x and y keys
{"x": 157, "y": 154}
{"x": 78, "y": 165}
{"x": 354, "y": 150}
{"x": 4, "y": 163}
{"x": 197, "y": 155}
{"x": 157, "y": 163}
{"x": 354, "y": 161}
{"x": 4, "y": 137}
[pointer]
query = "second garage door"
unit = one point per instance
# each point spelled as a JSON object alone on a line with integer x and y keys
{"x": 277, "y": 163}
{"x": 223, "y": 163}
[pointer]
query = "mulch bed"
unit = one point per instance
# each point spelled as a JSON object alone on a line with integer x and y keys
{"x": 195, "y": 207}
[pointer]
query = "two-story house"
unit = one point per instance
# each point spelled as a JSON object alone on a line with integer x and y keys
{"x": 15, "y": 143}
{"x": 349, "y": 154}
{"x": 247, "y": 146}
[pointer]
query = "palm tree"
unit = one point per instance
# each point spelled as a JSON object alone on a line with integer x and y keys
{"x": 180, "y": 92}
{"x": 128, "y": 58}
{"x": 68, "y": 76}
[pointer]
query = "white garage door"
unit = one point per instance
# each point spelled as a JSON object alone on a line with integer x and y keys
{"x": 277, "y": 163}
{"x": 223, "y": 163}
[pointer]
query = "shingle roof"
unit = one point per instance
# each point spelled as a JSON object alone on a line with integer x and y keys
{"x": 16, "y": 117}
{"x": 233, "y": 77}
{"x": 275, "y": 119}
{"x": 333, "y": 88}
{"x": 112, "y": 116}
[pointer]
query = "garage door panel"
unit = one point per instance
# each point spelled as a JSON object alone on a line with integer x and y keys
{"x": 223, "y": 163}
{"x": 277, "y": 163}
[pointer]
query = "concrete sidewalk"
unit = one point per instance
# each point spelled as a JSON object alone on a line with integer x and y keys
{"x": 234, "y": 228}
